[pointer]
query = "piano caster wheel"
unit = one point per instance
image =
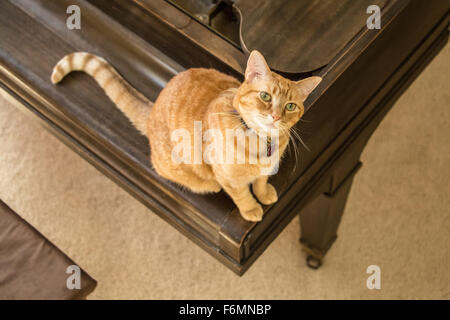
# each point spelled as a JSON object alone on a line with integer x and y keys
{"x": 313, "y": 262}
{"x": 314, "y": 257}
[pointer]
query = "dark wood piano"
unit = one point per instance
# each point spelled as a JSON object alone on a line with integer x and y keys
{"x": 149, "y": 41}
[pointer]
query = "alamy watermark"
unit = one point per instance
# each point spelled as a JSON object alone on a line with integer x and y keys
{"x": 374, "y": 21}
{"x": 74, "y": 280}
{"x": 74, "y": 20}
{"x": 234, "y": 146}
{"x": 374, "y": 280}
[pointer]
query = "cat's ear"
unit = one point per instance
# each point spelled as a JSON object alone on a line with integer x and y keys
{"x": 306, "y": 86}
{"x": 257, "y": 67}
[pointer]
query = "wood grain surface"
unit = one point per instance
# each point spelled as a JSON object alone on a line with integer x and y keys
{"x": 299, "y": 36}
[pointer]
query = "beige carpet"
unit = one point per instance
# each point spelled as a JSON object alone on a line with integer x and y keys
{"x": 397, "y": 216}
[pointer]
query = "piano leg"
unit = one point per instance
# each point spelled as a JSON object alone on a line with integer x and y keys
{"x": 320, "y": 219}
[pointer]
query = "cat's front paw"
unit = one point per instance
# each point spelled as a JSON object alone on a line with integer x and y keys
{"x": 255, "y": 214}
{"x": 267, "y": 195}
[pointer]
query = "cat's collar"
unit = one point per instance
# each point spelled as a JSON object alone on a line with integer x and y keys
{"x": 269, "y": 143}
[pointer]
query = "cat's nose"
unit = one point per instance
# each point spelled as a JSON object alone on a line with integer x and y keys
{"x": 275, "y": 117}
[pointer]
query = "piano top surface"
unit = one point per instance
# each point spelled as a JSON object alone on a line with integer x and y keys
{"x": 317, "y": 29}
{"x": 280, "y": 30}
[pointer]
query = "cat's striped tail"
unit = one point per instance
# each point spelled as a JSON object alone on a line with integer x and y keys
{"x": 132, "y": 103}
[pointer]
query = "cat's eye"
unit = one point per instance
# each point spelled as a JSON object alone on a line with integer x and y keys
{"x": 291, "y": 106}
{"x": 265, "y": 96}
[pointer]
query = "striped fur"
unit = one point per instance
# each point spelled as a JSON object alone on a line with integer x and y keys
{"x": 132, "y": 103}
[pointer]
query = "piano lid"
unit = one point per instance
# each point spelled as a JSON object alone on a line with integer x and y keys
{"x": 299, "y": 36}
{"x": 295, "y": 36}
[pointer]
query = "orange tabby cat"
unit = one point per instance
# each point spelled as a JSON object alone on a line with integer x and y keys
{"x": 264, "y": 105}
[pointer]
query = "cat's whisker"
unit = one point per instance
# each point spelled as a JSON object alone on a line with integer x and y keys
{"x": 297, "y": 129}
{"x": 285, "y": 130}
{"x": 291, "y": 139}
{"x": 301, "y": 140}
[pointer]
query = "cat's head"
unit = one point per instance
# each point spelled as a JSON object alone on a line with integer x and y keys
{"x": 267, "y": 101}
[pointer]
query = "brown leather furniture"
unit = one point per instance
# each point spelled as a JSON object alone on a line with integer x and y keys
{"x": 31, "y": 267}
